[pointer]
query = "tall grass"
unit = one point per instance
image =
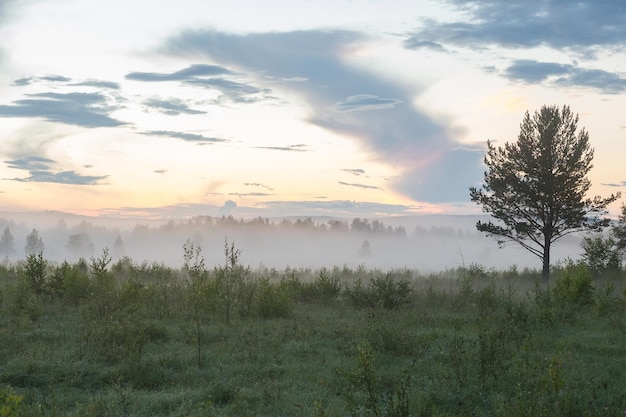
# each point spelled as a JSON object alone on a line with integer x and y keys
{"x": 123, "y": 339}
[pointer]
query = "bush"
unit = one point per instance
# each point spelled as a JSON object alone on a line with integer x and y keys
{"x": 325, "y": 288}
{"x": 382, "y": 292}
{"x": 274, "y": 301}
{"x": 574, "y": 285}
{"x": 601, "y": 254}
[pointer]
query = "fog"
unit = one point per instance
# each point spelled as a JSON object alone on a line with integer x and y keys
{"x": 426, "y": 243}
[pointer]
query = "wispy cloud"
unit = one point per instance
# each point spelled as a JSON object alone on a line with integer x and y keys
{"x": 160, "y": 171}
{"x": 56, "y": 78}
{"x": 171, "y": 106}
{"x": 98, "y": 84}
{"x": 190, "y": 137}
{"x": 360, "y": 185}
{"x": 256, "y": 184}
{"x": 253, "y": 194}
{"x": 79, "y": 109}
{"x": 189, "y": 73}
{"x": 361, "y": 102}
{"x": 209, "y": 76}
{"x": 233, "y": 90}
{"x": 39, "y": 169}
{"x": 615, "y": 184}
{"x": 414, "y": 42}
{"x": 291, "y": 148}
{"x": 66, "y": 80}
{"x": 357, "y": 171}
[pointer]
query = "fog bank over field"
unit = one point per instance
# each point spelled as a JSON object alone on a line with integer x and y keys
{"x": 428, "y": 243}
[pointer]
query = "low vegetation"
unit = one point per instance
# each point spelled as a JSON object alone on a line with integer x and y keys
{"x": 104, "y": 338}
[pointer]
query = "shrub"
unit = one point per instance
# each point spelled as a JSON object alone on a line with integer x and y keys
{"x": 573, "y": 285}
{"x": 325, "y": 288}
{"x": 274, "y": 301}
{"x": 384, "y": 292}
{"x": 35, "y": 273}
{"x": 601, "y": 254}
{"x": 10, "y": 404}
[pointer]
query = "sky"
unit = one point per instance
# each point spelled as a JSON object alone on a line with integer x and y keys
{"x": 169, "y": 109}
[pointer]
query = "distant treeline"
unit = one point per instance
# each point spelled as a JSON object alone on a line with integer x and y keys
{"x": 358, "y": 225}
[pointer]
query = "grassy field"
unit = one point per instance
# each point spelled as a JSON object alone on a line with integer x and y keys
{"x": 98, "y": 338}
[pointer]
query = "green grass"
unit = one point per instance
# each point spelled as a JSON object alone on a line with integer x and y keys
{"x": 147, "y": 340}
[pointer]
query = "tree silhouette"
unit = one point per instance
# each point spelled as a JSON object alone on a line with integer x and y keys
{"x": 7, "y": 242}
{"x": 34, "y": 244}
{"x": 536, "y": 187}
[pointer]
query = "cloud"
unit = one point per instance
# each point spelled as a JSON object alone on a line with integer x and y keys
{"x": 566, "y": 75}
{"x": 357, "y": 171}
{"x": 603, "y": 81}
{"x": 619, "y": 184}
{"x": 361, "y": 102}
{"x": 190, "y": 137}
{"x": 160, "y": 171}
{"x": 191, "y": 72}
{"x": 291, "y": 148}
{"x": 228, "y": 207}
{"x": 56, "y": 78}
{"x": 79, "y": 109}
{"x": 360, "y": 185}
{"x": 232, "y": 90}
{"x": 533, "y": 71}
{"x": 256, "y": 184}
{"x": 558, "y": 24}
{"x": 171, "y": 106}
{"x": 98, "y": 84}
{"x": 23, "y": 81}
{"x": 59, "y": 78}
{"x": 417, "y": 43}
{"x": 401, "y": 135}
{"x": 208, "y": 76}
{"x": 447, "y": 181}
{"x": 256, "y": 194}
{"x": 40, "y": 171}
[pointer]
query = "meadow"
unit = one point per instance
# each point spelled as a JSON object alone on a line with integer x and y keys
{"x": 104, "y": 338}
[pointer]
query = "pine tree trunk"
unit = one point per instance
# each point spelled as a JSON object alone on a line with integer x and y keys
{"x": 545, "y": 273}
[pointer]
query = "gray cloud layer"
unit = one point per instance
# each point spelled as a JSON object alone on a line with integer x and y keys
{"x": 580, "y": 28}
{"x": 566, "y": 75}
{"x": 395, "y": 131}
{"x": 527, "y": 23}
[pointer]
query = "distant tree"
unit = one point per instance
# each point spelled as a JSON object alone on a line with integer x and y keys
{"x": 335, "y": 225}
{"x": 360, "y": 225}
{"x": 34, "y": 244}
{"x": 365, "y": 251}
{"x": 118, "y": 248}
{"x": 7, "y": 242}
{"x": 536, "y": 187}
{"x": 80, "y": 245}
